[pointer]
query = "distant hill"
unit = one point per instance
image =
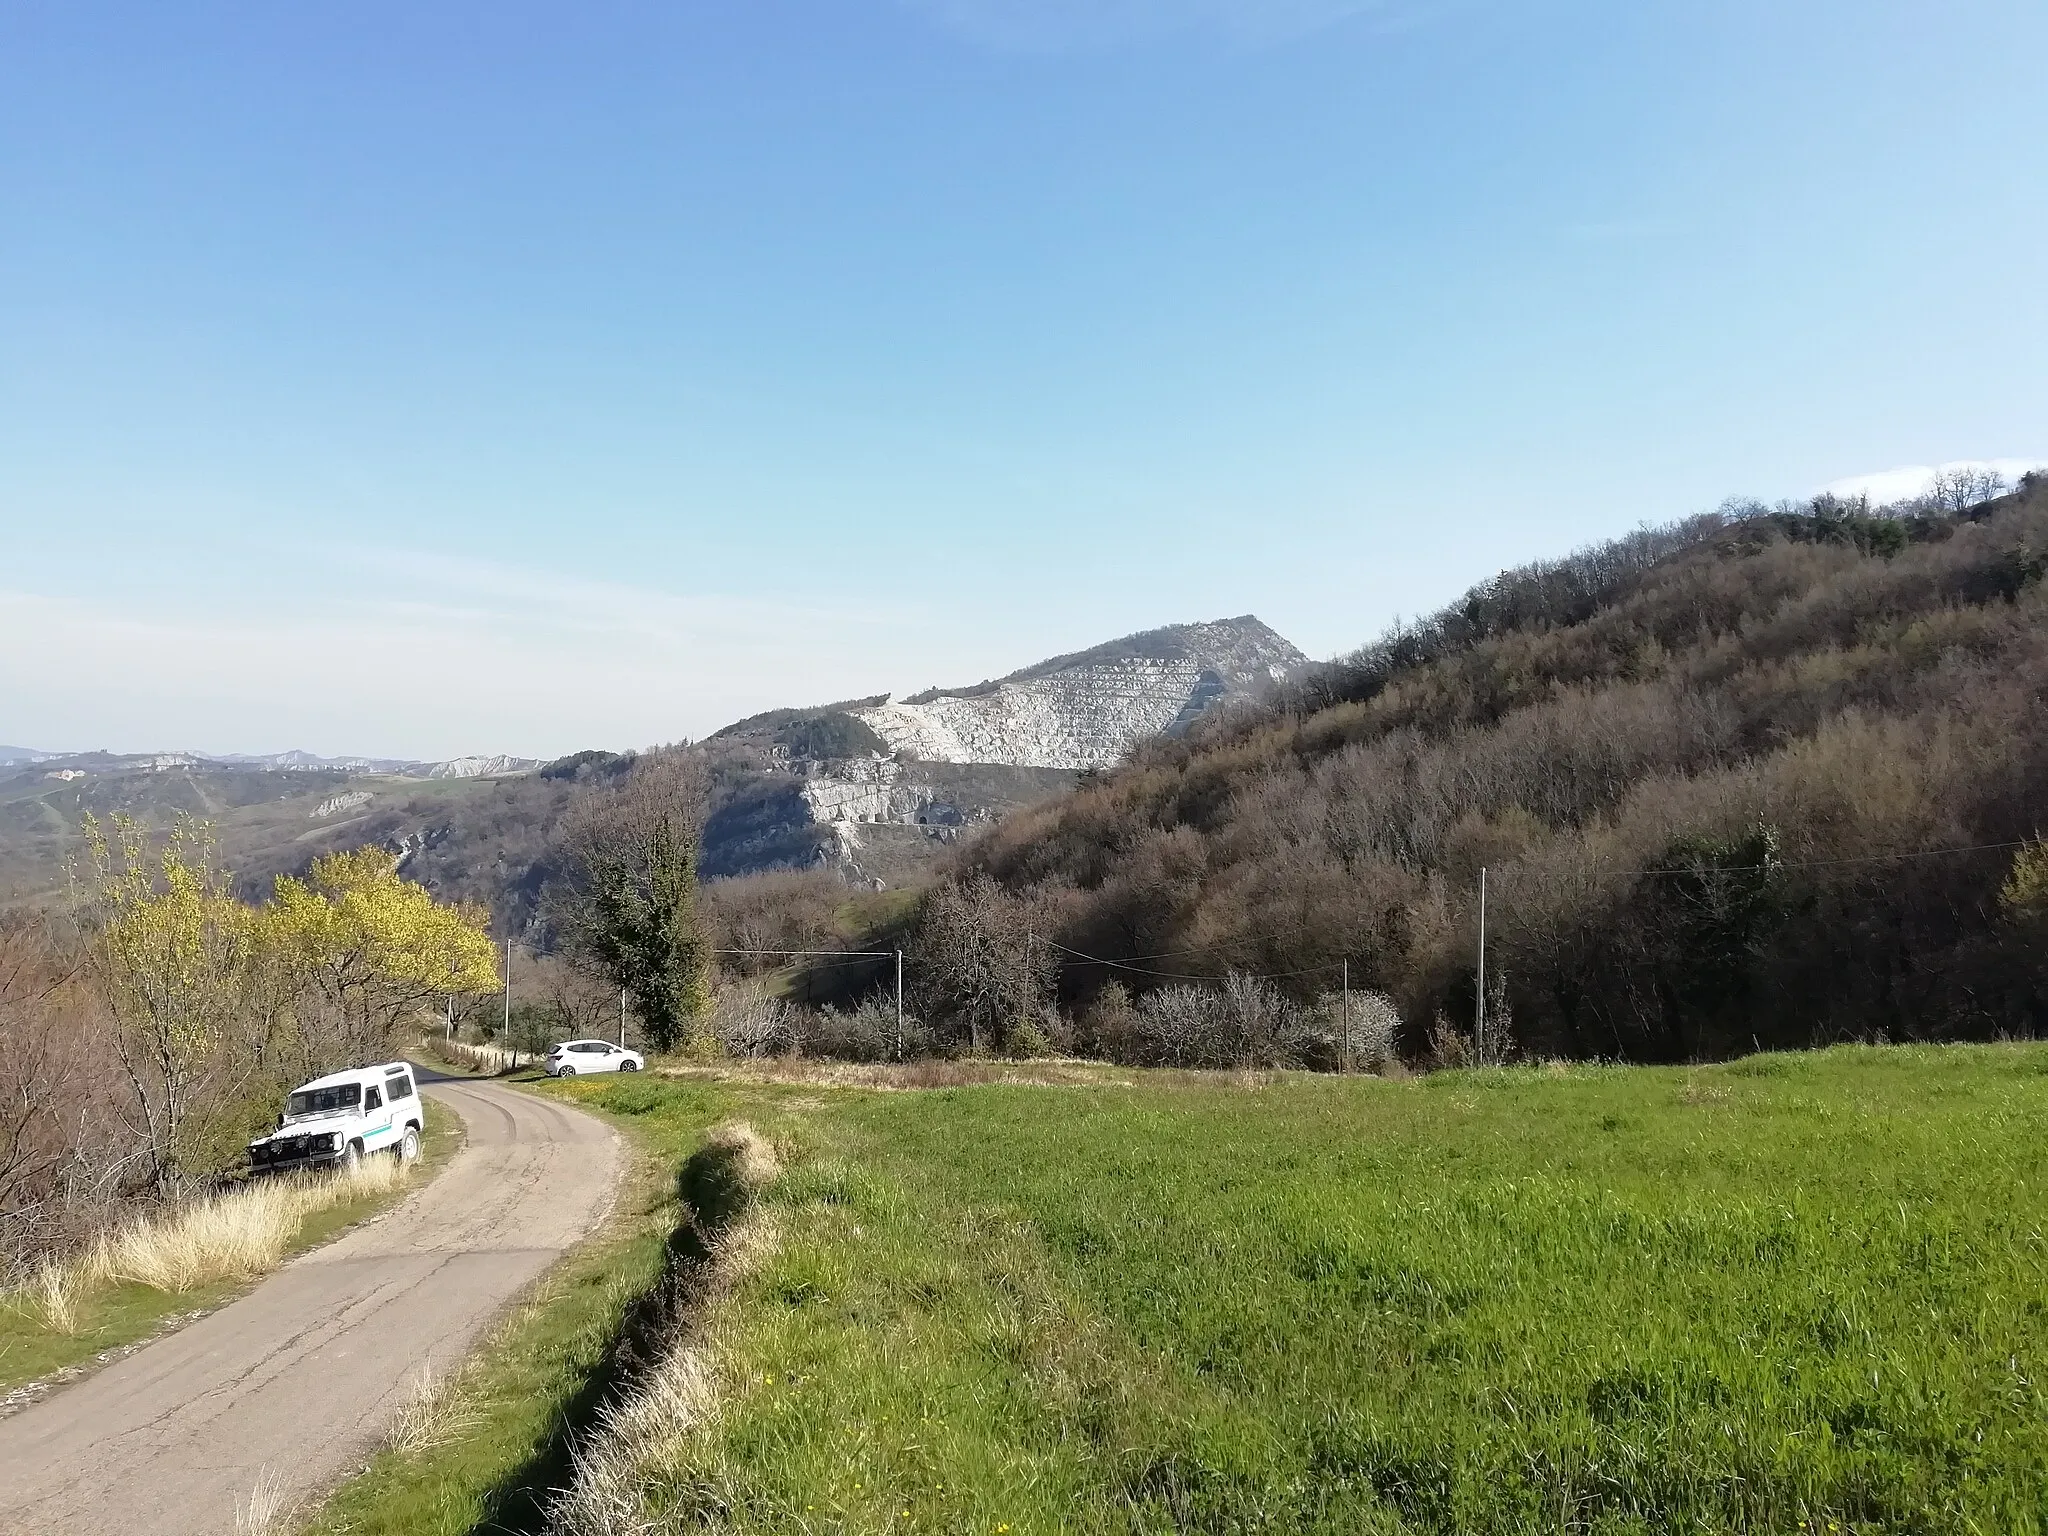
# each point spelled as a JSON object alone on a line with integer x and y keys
{"x": 272, "y": 814}
{"x": 876, "y": 788}
{"x": 796, "y": 788}
{"x": 1088, "y": 709}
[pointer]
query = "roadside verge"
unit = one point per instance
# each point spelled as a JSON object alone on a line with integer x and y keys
{"x": 499, "y": 1439}
{"x": 75, "y": 1322}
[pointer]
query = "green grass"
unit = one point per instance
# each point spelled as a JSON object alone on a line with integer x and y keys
{"x": 120, "y": 1315}
{"x": 545, "y": 1368}
{"x": 1737, "y": 1298}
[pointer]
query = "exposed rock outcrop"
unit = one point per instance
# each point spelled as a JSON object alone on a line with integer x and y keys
{"x": 475, "y": 767}
{"x": 334, "y": 805}
{"x": 1087, "y": 710}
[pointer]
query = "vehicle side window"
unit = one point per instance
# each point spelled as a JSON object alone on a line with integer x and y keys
{"x": 401, "y": 1088}
{"x": 374, "y": 1100}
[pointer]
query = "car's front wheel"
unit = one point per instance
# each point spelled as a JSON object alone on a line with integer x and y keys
{"x": 629, "y": 1066}
{"x": 409, "y": 1146}
{"x": 351, "y": 1157}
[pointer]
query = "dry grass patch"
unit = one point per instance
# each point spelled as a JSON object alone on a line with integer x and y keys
{"x": 236, "y": 1235}
{"x": 232, "y": 1236}
{"x": 54, "y": 1294}
{"x": 650, "y": 1438}
{"x": 1057, "y": 1072}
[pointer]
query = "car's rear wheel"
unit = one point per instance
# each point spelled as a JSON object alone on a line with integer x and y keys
{"x": 629, "y": 1066}
{"x": 565, "y": 1070}
{"x": 409, "y": 1146}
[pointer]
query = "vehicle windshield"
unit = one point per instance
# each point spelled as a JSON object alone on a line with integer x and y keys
{"x": 323, "y": 1101}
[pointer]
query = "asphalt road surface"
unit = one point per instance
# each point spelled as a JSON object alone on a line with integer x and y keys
{"x": 291, "y": 1385}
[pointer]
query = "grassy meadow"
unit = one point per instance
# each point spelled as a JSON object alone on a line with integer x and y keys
{"x": 1799, "y": 1292}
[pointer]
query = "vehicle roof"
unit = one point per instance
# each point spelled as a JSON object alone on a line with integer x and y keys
{"x": 366, "y": 1075}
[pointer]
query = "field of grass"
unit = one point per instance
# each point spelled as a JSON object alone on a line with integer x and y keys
{"x": 197, "y": 1263}
{"x": 1788, "y": 1293}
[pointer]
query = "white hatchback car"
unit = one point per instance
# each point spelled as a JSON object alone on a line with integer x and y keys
{"x": 573, "y": 1057}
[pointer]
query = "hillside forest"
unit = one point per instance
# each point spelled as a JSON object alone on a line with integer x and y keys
{"x": 1771, "y": 777}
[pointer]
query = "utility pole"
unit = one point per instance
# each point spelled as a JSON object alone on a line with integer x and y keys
{"x": 1347, "y": 1014}
{"x": 508, "y": 1004}
{"x": 622, "y": 1018}
{"x": 1479, "y": 1018}
{"x": 899, "y": 1005}
{"x": 1030, "y": 974}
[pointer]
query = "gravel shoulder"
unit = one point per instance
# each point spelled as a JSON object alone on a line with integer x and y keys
{"x": 289, "y": 1387}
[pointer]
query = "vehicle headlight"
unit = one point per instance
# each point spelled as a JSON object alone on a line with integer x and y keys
{"x": 330, "y": 1141}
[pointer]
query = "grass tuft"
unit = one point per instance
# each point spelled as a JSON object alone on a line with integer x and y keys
{"x": 432, "y": 1413}
{"x": 268, "y": 1510}
{"x": 54, "y": 1293}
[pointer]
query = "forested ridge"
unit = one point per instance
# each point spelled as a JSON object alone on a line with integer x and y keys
{"x": 1719, "y": 776}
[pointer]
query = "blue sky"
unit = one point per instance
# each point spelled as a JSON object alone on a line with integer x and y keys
{"x": 419, "y": 379}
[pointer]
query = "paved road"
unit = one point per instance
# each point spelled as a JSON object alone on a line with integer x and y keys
{"x": 293, "y": 1382}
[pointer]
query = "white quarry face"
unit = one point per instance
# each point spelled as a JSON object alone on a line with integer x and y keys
{"x": 1087, "y": 711}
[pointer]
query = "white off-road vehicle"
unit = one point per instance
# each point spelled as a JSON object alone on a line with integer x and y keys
{"x": 334, "y": 1121}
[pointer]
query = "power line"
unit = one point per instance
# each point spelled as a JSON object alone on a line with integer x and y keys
{"x": 805, "y": 954}
{"x": 1124, "y": 965}
{"x": 1204, "y": 949}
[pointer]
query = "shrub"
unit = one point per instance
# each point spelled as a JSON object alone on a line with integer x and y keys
{"x": 749, "y": 1023}
{"x": 1366, "y": 1037}
{"x": 866, "y": 1032}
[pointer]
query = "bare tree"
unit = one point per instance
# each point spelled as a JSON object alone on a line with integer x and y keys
{"x": 1363, "y": 1028}
{"x": 63, "y": 1151}
{"x": 979, "y": 963}
{"x": 1958, "y": 490}
{"x": 747, "y": 1022}
{"x": 1178, "y": 1025}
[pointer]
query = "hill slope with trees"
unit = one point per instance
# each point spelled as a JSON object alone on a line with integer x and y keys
{"x": 1768, "y": 777}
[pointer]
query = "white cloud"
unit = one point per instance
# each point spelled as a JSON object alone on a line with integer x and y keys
{"x": 1910, "y": 480}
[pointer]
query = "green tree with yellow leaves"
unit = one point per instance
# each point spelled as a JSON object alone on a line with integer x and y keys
{"x": 213, "y": 1000}
{"x": 370, "y": 949}
{"x": 174, "y": 953}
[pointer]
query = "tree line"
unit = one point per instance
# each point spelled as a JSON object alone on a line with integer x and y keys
{"x": 150, "y": 1030}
